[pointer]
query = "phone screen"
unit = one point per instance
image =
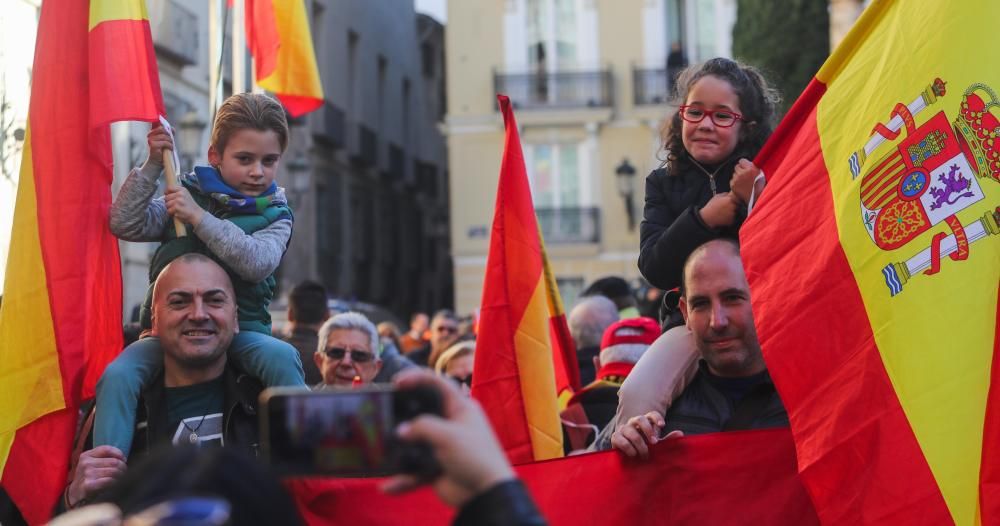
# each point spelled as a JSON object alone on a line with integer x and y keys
{"x": 337, "y": 433}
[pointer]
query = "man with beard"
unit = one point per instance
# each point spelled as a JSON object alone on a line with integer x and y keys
{"x": 197, "y": 398}
{"x": 732, "y": 389}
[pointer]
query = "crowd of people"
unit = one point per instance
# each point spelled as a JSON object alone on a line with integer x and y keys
{"x": 654, "y": 365}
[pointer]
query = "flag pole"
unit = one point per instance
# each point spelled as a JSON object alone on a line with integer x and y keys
{"x": 239, "y": 47}
{"x": 171, "y": 174}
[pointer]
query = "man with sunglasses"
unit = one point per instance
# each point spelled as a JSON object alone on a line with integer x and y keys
{"x": 348, "y": 353}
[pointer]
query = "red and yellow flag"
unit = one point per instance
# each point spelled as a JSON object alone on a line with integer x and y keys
{"x": 514, "y": 378}
{"x": 874, "y": 259}
{"x": 61, "y": 317}
{"x": 281, "y": 43}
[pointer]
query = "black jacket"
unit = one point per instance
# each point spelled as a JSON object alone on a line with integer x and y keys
{"x": 671, "y": 228}
{"x": 702, "y": 408}
{"x": 240, "y": 426}
{"x": 506, "y": 504}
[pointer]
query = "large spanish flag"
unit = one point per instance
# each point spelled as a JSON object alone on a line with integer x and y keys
{"x": 874, "y": 260}
{"x": 281, "y": 43}
{"x": 514, "y": 376}
{"x": 61, "y": 317}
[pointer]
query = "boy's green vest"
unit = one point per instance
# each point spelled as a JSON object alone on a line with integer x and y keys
{"x": 252, "y": 299}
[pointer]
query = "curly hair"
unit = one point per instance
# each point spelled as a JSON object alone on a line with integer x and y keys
{"x": 249, "y": 110}
{"x": 757, "y": 104}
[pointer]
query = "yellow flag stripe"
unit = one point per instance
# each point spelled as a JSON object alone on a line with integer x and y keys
{"x": 109, "y": 10}
{"x": 936, "y": 336}
{"x": 538, "y": 387}
{"x": 29, "y": 363}
{"x": 296, "y": 72}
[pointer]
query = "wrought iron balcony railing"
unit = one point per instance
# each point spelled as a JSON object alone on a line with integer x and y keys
{"x": 583, "y": 89}
{"x": 650, "y": 86}
{"x": 570, "y": 224}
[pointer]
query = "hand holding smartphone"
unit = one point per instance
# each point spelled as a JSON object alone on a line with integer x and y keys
{"x": 346, "y": 432}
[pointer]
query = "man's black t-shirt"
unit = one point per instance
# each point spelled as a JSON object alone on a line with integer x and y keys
{"x": 195, "y": 413}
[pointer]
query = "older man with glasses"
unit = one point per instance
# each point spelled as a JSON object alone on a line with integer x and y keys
{"x": 348, "y": 353}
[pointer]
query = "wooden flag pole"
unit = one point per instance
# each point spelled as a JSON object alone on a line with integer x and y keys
{"x": 171, "y": 172}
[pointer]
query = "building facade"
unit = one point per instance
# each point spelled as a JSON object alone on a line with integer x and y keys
{"x": 590, "y": 90}
{"x": 367, "y": 173}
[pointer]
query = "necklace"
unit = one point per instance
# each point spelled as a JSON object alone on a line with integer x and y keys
{"x": 711, "y": 176}
{"x": 193, "y": 437}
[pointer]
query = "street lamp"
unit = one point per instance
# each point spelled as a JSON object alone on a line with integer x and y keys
{"x": 624, "y": 175}
{"x": 189, "y": 137}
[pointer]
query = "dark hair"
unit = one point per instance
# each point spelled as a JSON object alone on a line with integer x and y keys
{"x": 757, "y": 105}
{"x": 733, "y": 244}
{"x": 253, "y": 492}
{"x": 307, "y": 303}
{"x": 614, "y": 288}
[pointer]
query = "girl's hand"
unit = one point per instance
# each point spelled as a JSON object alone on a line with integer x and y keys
{"x": 743, "y": 178}
{"x": 181, "y": 205}
{"x": 158, "y": 140}
{"x": 720, "y": 211}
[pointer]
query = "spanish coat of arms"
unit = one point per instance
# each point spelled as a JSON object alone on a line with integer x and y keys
{"x": 935, "y": 170}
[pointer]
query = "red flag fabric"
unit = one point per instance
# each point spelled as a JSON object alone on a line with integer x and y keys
{"x": 61, "y": 318}
{"x": 719, "y": 479}
{"x": 513, "y": 375}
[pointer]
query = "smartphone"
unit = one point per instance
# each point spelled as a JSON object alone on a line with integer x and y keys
{"x": 346, "y": 432}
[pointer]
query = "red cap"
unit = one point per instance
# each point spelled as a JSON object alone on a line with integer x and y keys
{"x": 631, "y": 330}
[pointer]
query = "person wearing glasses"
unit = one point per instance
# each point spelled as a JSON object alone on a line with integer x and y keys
{"x": 702, "y": 192}
{"x": 348, "y": 353}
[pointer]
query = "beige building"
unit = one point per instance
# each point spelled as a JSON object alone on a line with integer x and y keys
{"x": 589, "y": 85}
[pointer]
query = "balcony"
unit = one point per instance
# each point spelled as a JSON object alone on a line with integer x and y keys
{"x": 650, "y": 86}
{"x": 570, "y": 225}
{"x": 332, "y": 128}
{"x": 177, "y": 34}
{"x": 365, "y": 151}
{"x": 561, "y": 90}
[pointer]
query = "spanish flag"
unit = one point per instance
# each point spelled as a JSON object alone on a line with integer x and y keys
{"x": 281, "y": 44}
{"x": 513, "y": 376}
{"x": 61, "y": 317}
{"x": 874, "y": 260}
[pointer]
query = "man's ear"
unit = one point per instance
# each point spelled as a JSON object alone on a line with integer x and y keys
{"x": 236, "y": 323}
{"x": 682, "y": 305}
{"x": 597, "y": 362}
{"x": 318, "y": 358}
{"x": 378, "y": 365}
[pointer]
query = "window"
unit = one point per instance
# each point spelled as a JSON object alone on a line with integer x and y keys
{"x": 551, "y": 35}
{"x": 554, "y": 174}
